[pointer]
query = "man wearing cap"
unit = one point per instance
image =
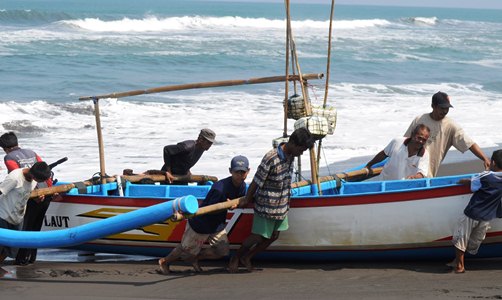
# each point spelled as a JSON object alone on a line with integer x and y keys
{"x": 179, "y": 158}
{"x": 444, "y": 133}
{"x": 210, "y": 227}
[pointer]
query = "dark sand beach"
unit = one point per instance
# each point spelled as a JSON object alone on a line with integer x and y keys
{"x": 286, "y": 280}
{"x": 123, "y": 278}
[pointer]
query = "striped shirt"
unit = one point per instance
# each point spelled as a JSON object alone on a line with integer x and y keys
{"x": 273, "y": 178}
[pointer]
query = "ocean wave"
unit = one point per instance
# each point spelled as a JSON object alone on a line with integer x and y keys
{"x": 489, "y": 63}
{"x": 421, "y": 21}
{"x": 152, "y": 23}
{"x": 31, "y": 17}
{"x": 23, "y": 127}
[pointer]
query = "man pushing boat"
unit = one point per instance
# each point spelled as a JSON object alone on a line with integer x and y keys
{"x": 270, "y": 191}
{"x": 210, "y": 227}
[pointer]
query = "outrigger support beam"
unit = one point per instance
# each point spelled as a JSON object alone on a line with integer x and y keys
{"x": 100, "y": 141}
{"x": 199, "y": 85}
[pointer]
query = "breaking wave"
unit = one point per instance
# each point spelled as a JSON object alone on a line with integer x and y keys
{"x": 153, "y": 23}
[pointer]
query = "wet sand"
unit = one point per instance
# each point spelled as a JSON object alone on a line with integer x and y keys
{"x": 290, "y": 280}
{"x": 138, "y": 279}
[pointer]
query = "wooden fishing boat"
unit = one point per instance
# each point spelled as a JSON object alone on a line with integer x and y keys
{"x": 402, "y": 219}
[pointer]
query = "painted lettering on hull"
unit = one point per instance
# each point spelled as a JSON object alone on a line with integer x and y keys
{"x": 56, "y": 221}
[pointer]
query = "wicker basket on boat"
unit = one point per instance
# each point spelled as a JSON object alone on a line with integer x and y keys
{"x": 296, "y": 107}
{"x": 329, "y": 113}
{"x": 318, "y": 126}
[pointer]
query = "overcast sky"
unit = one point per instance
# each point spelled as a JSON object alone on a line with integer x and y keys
{"x": 431, "y": 3}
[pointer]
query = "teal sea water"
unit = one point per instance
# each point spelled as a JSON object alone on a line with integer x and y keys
{"x": 386, "y": 63}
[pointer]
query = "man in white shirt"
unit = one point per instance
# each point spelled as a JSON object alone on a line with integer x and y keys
{"x": 15, "y": 191}
{"x": 408, "y": 158}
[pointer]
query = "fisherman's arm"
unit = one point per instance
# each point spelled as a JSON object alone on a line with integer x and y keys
{"x": 253, "y": 187}
{"x": 422, "y": 167}
{"x": 479, "y": 153}
{"x": 378, "y": 158}
{"x": 7, "y": 185}
{"x": 169, "y": 151}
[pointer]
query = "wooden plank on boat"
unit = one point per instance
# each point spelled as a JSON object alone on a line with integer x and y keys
{"x": 348, "y": 176}
{"x": 160, "y": 178}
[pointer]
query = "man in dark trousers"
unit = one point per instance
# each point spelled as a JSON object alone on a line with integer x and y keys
{"x": 16, "y": 158}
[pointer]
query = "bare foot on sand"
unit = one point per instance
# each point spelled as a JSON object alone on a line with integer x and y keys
{"x": 246, "y": 262}
{"x": 233, "y": 265}
{"x": 459, "y": 271}
{"x": 163, "y": 267}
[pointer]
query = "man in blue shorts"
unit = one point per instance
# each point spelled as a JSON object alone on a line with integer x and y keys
{"x": 271, "y": 191}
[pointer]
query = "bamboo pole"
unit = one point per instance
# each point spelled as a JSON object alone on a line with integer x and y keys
{"x": 100, "y": 141}
{"x": 218, "y": 206}
{"x": 328, "y": 63}
{"x": 199, "y": 85}
{"x": 328, "y": 66}
{"x": 160, "y": 178}
{"x": 348, "y": 176}
{"x": 286, "y": 88}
